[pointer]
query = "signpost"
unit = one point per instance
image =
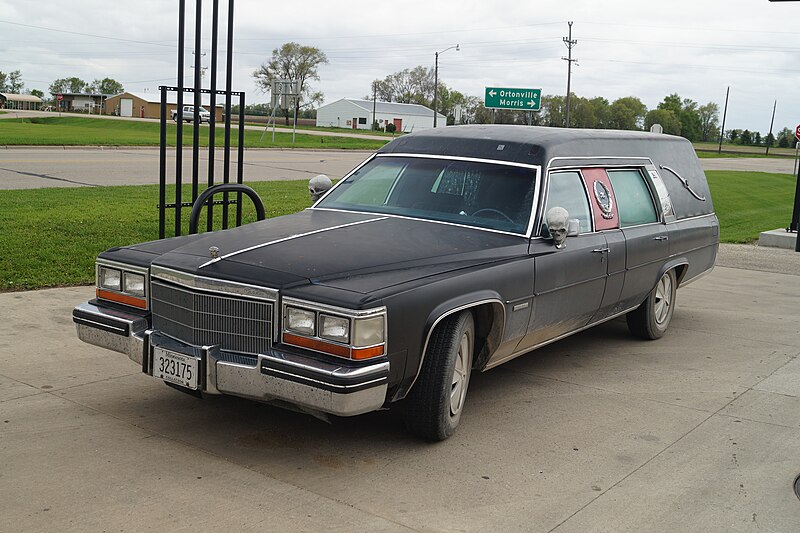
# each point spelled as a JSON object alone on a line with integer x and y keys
{"x": 59, "y": 97}
{"x": 513, "y": 98}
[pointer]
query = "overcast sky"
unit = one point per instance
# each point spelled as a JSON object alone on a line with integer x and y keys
{"x": 625, "y": 47}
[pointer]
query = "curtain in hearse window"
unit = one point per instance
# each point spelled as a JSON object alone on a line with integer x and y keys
{"x": 634, "y": 201}
{"x": 566, "y": 190}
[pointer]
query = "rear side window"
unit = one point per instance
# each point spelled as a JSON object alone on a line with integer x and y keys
{"x": 566, "y": 190}
{"x": 634, "y": 201}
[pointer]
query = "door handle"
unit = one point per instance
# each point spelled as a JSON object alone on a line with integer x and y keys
{"x": 661, "y": 238}
{"x": 600, "y": 250}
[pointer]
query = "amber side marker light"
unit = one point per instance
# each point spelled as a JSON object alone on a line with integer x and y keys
{"x": 132, "y": 301}
{"x": 333, "y": 349}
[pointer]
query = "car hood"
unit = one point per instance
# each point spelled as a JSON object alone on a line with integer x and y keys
{"x": 351, "y": 251}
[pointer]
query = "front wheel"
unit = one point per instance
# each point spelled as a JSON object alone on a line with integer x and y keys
{"x": 434, "y": 405}
{"x": 651, "y": 319}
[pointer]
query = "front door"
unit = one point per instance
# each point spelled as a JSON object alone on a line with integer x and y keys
{"x": 398, "y": 125}
{"x": 569, "y": 283}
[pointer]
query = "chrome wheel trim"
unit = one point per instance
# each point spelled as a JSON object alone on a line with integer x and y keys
{"x": 458, "y": 387}
{"x": 663, "y": 299}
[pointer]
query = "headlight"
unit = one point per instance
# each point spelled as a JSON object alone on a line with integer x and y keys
{"x": 301, "y": 320}
{"x": 122, "y": 284}
{"x": 134, "y": 284}
{"x": 334, "y": 328}
{"x": 368, "y": 331}
{"x": 109, "y": 278}
{"x": 353, "y": 334}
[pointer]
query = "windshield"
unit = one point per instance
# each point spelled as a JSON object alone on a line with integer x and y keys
{"x": 485, "y": 195}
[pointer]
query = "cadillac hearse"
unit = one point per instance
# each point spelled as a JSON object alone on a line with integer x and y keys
{"x": 448, "y": 251}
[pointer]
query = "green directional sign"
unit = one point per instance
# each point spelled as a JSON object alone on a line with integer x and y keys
{"x": 513, "y": 98}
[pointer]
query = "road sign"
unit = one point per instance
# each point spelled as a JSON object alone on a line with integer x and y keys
{"x": 513, "y": 98}
{"x": 59, "y": 97}
{"x": 797, "y": 132}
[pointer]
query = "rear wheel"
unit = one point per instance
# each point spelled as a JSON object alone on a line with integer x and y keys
{"x": 651, "y": 319}
{"x": 434, "y": 405}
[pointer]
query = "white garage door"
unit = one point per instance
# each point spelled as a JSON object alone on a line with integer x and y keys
{"x": 126, "y": 107}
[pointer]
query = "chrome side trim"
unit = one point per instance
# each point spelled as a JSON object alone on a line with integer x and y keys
{"x": 550, "y": 341}
{"x": 447, "y": 314}
{"x": 212, "y": 284}
{"x": 289, "y": 238}
{"x": 685, "y": 183}
{"x": 461, "y": 158}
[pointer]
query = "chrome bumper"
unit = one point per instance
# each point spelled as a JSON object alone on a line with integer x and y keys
{"x": 293, "y": 378}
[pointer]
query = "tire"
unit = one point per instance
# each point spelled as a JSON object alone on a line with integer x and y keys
{"x": 651, "y": 319}
{"x": 434, "y": 406}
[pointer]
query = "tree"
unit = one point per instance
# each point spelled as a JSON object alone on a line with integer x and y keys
{"x": 709, "y": 121}
{"x": 407, "y": 86}
{"x": 785, "y": 138}
{"x": 297, "y": 63}
{"x": 769, "y": 140}
{"x": 686, "y": 111}
{"x": 67, "y": 85}
{"x": 665, "y": 117}
{"x": 13, "y": 82}
{"x": 3, "y": 79}
{"x": 627, "y": 113}
{"x": 746, "y": 138}
{"x": 36, "y": 92}
{"x": 757, "y": 138}
{"x": 106, "y": 86}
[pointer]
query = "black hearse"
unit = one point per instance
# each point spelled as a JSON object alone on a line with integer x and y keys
{"x": 449, "y": 250}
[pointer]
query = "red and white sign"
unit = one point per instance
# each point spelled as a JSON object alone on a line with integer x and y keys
{"x": 60, "y": 97}
{"x": 797, "y": 132}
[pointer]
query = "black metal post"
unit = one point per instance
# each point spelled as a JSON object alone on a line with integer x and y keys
{"x": 793, "y": 226}
{"x": 198, "y": 28}
{"x": 228, "y": 95}
{"x": 771, "y": 124}
{"x": 162, "y": 166}
{"x": 240, "y": 160}
{"x": 179, "y": 133}
{"x": 724, "y": 116}
{"x": 212, "y": 123}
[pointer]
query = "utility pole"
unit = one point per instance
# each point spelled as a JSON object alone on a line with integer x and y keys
{"x": 570, "y": 44}
{"x": 373, "y": 126}
{"x": 724, "y": 116}
{"x": 771, "y": 123}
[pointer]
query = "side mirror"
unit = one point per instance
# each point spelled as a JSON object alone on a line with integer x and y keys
{"x": 558, "y": 224}
{"x": 573, "y": 227}
{"x": 318, "y": 186}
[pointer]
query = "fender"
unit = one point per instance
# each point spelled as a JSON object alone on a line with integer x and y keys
{"x": 675, "y": 262}
{"x": 456, "y": 305}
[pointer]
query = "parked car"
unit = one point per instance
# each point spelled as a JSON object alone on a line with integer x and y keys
{"x": 448, "y": 251}
{"x": 187, "y": 115}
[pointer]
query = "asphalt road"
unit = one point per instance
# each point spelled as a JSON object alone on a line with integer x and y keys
{"x": 27, "y": 168}
{"x": 698, "y": 431}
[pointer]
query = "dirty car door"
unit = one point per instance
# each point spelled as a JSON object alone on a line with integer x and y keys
{"x": 568, "y": 283}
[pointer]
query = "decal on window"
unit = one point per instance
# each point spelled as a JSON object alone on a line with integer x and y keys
{"x": 603, "y": 198}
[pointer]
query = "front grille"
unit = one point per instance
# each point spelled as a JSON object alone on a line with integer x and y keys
{"x": 233, "y": 322}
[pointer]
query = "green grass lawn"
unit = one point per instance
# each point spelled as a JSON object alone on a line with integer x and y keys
{"x": 748, "y": 203}
{"x": 82, "y": 131}
{"x": 736, "y": 150}
{"x": 51, "y": 237}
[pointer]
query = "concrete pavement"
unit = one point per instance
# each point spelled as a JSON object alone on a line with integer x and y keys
{"x": 699, "y": 431}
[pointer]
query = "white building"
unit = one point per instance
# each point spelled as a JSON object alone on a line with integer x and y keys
{"x": 357, "y": 114}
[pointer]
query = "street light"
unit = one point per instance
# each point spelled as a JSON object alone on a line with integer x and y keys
{"x": 436, "y": 80}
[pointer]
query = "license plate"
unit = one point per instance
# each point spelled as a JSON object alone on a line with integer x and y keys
{"x": 176, "y": 368}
